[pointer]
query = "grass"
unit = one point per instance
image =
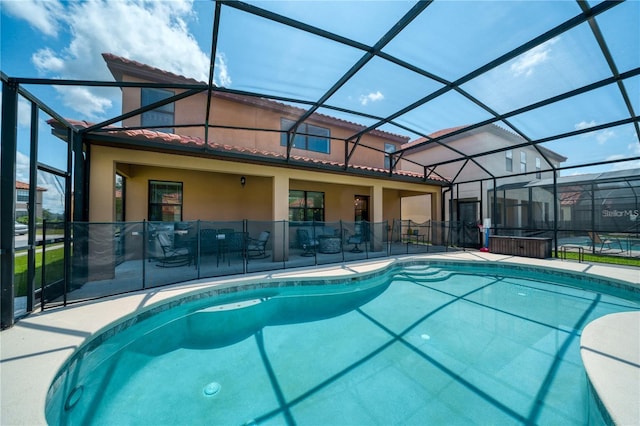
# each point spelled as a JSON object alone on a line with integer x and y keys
{"x": 54, "y": 269}
{"x": 599, "y": 258}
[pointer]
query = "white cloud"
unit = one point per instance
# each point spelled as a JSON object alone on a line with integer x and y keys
{"x": 24, "y": 111}
{"x": 528, "y": 61}
{"x": 371, "y": 97}
{"x": 44, "y": 16}
{"x": 584, "y": 125}
{"x": 222, "y": 71}
{"x": 22, "y": 167}
{"x": 605, "y": 135}
{"x": 601, "y": 136}
{"x": 53, "y": 197}
{"x": 154, "y": 33}
{"x": 93, "y": 105}
{"x": 46, "y": 61}
{"x": 634, "y": 151}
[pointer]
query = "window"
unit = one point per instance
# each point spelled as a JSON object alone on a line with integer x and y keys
{"x": 22, "y": 195}
{"x": 509, "y": 158}
{"x": 388, "y": 147}
{"x": 306, "y": 205}
{"x": 308, "y": 137}
{"x": 162, "y": 116}
{"x": 165, "y": 201}
{"x": 119, "y": 197}
{"x": 538, "y": 169}
{"x": 523, "y": 162}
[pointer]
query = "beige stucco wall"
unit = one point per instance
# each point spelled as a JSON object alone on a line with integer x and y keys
{"x": 228, "y": 113}
{"x": 212, "y": 190}
{"x": 417, "y": 208}
{"x": 206, "y": 195}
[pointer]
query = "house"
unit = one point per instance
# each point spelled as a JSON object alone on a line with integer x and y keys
{"x": 22, "y": 200}
{"x": 174, "y": 163}
{"x": 505, "y": 161}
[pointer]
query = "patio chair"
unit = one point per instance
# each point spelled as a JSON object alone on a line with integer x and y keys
{"x": 355, "y": 239}
{"x": 256, "y": 247}
{"x": 605, "y": 244}
{"x": 307, "y": 243}
{"x": 172, "y": 256}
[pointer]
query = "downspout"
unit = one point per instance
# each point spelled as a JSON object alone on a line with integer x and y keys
{"x": 443, "y": 206}
{"x": 495, "y": 205}
{"x": 555, "y": 213}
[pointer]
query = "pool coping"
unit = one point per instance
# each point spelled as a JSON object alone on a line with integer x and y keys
{"x": 32, "y": 352}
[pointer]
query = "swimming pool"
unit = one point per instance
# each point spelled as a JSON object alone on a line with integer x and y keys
{"x": 416, "y": 343}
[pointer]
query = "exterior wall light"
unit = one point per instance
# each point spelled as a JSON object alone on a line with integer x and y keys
{"x": 243, "y": 181}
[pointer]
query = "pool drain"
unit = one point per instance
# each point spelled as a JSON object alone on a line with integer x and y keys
{"x": 211, "y": 389}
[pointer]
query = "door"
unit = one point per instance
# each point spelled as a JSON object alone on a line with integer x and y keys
{"x": 469, "y": 216}
{"x": 361, "y": 209}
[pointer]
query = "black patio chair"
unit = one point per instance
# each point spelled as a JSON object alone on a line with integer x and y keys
{"x": 256, "y": 248}
{"x": 172, "y": 256}
{"x": 356, "y": 240}
{"x": 307, "y": 243}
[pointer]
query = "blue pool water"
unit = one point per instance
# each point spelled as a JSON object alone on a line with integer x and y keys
{"x": 418, "y": 344}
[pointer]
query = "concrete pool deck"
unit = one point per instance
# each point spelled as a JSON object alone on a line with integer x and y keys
{"x": 34, "y": 349}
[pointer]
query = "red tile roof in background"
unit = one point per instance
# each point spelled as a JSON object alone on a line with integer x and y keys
{"x": 570, "y": 198}
{"x": 171, "y": 139}
{"x": 23, "y": 185}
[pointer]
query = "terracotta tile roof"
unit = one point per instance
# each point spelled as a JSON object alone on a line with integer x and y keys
{"x": 570, "y": 198}
{"x": 24, "y": 185}
{"x": 171, "y": 139}
{"x": 120, "y": 66}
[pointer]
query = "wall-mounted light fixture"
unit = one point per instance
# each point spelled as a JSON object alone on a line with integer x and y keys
{"x": 243, "y": 181}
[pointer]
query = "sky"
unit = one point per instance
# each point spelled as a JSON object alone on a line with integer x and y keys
{"x": 56, "y": 39}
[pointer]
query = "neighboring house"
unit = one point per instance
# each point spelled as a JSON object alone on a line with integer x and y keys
{"x": 513, "y": 165}
{"x": 229, "y": 172}
{"x": 22, "y": 200}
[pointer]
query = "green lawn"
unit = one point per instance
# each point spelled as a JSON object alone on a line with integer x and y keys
{"x": 54, "y": 270}
{"x": 598, "y": 258}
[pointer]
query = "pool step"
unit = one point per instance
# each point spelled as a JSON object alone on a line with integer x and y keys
{"x": 427, "y": 274}
{"x": 421, "y": 270}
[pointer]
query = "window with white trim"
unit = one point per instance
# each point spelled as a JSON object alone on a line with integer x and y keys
{"x": 388, "y": 148}
{"x": 509, "y": 160}
{"x": 22, "y": 195}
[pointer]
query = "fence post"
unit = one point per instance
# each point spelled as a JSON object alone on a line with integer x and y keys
{"x": 245, "y": 238}
{"x": 43, "y": 265}
{"x": 144, "y": 253}
{"x": 198, "y": 247}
